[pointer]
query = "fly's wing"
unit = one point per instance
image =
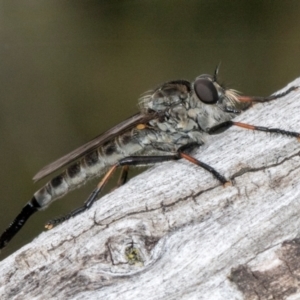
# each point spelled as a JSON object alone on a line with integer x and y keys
{"x": 93, "y": 144}
{"x": 164, "y": 91}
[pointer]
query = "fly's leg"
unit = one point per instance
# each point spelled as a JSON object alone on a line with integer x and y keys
{"x": 133, "y": 161}
{"x": 182, "y": 153}
{"x": 30, "y": 208}
{"x": 268, "y": 129}
{"x": 123, "y": 176}
{"x": 127, "y": 161}
{"x": 87, "y": 204}
{"x": 267, "y": 99}
{"x": 208, "y": 168}
{"x": 257, "y": 128}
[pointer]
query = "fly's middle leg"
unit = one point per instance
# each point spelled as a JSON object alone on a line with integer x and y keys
{"x": 208, "y": 168}
{"x": 133, "y": 161}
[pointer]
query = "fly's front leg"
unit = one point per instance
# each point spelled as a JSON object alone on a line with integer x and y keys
{"x": 134, "y": 161}
{"x": 252, "y": 99}
{"x": 256, "y": 128}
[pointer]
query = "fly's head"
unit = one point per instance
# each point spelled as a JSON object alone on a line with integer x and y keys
{"x": 209, "y": 92}
{"x": 211, "y": 104}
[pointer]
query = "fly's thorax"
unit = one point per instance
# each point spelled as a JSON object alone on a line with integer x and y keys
{"x": 171, "y": 131}
{"x": 165, "y": 96}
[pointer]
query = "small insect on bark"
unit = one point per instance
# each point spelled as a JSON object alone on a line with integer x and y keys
{"x": 174, "y": 118}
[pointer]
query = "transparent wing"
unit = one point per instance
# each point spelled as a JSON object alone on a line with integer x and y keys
{"x": 167, "y": 91}
{"x": 93, "y": 144}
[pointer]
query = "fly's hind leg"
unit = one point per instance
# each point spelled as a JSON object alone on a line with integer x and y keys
{"x": 133, "y": 161}
{"x": 87, "y": 204}
{"x": 125, "y": 163}
{"x": 123, "y": 176}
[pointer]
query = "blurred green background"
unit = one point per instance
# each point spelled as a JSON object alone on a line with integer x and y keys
{"x": 71, "y": 69}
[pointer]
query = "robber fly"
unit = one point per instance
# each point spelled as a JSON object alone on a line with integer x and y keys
{"x": 174, "y": 117}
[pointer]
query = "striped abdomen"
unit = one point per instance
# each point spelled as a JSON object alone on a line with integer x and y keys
{"x": 91, "y": 165}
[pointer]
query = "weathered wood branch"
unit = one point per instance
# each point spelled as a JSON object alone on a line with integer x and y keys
{"x": 174, "y": 232}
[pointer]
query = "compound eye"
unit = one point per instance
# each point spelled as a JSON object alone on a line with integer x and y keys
{"x": 206, "y": 91}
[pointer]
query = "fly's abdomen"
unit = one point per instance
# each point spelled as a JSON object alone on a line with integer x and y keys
{"x": 91, "y": 165}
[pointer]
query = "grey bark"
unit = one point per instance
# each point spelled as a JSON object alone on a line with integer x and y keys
{"x": 174, "y": 232}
